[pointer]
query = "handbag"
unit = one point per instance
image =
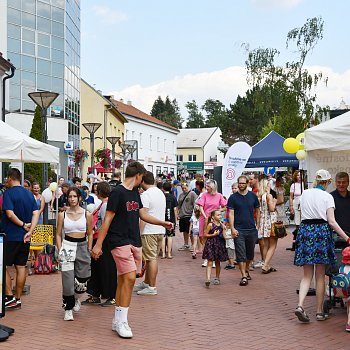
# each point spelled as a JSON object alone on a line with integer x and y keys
{"x": 278, "y": 230}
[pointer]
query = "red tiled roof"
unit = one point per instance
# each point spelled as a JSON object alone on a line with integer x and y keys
{"x": 134, "y": 112}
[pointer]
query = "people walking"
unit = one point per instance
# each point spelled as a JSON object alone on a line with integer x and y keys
{"x": 74, "y": 237}
{"x": 314, "y": 244}
{"x": 242, "y": 205}
{"x": 19, "y": 220}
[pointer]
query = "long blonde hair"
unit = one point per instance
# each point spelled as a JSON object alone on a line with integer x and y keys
{"x": 263, "y": 187}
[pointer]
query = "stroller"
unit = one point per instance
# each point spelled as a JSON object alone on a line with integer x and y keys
{"x": 331, "y": 272}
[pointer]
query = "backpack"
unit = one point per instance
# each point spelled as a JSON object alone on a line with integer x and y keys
{"x": 46, "y": 261}
{"x": 341, "y": 284}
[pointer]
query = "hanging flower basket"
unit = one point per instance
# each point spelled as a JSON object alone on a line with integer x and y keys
{"x": 79, "y": 155}
{"x": 103, "y": 155}
{"x": 118, "y": 163}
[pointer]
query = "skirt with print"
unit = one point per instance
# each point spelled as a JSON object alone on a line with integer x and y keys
{"x": 314, "y": 245}
{"x": 215, "y": 249}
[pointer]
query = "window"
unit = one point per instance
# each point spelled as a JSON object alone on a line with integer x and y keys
{"x": 28, "y": 63}
{"x": 44, "y": 25}
{"x": 14, "y": 16}
{"x": 28, "y": 20}
{"x": 164, "y": 145}
{"x": 158, "y": 170}
{"x": 13, "y": 45}
{"x": 150, "y": 168}
{"x": 28, "y": 35}
{"x": 43, "y": 39}
{"x": 28, "y": 48}
{"x": 140, "y": 140}
{"x": 158, "y": 144}
{"x": 14, "y": 31}
{"x": 179, "y": 158}
{"x": 192, "y": 157}
{"x": 150, "y": 142}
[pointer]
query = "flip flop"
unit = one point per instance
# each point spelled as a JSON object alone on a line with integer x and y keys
{"x": 265, "y": 271}
{"x": 248, "y": 276}
{"x": 244, "y": 281}
{"x": 272, "y": 269}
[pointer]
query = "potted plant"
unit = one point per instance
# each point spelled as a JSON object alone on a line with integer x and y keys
{"x": 103, "y": 155}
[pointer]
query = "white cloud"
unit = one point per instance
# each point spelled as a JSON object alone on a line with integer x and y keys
{"x": 108, "y": 15}
{"x": 225, "y": 85}
{"x": 287, "y": 4}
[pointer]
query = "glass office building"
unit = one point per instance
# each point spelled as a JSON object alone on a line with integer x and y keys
{"x": 43, "y": 43}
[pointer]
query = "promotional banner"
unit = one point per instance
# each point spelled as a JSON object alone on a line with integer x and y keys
{"x": 235, "y": 161}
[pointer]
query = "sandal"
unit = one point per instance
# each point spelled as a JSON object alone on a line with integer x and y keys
{"x": 264, "y": 271}
{"x": 301, "y": 314}
{"x": 248, "y": 276}
{"x": 207, "y": 283}
{"x": 272, "y": 269}
{"x": 244, "y": 281}
{"x": 321, "y": 316}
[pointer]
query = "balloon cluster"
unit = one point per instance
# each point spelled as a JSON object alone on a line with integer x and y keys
{"x": 295, "y": 145}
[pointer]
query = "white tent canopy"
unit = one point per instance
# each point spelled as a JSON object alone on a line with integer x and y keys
{"x": 328, "y": 147}
{"x": 18, "y": 147}
{"x": 332, "y": 135}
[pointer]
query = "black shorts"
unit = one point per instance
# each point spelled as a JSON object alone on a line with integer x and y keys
{"x": 16, "y": 253}
{"x": 184, "y": 224}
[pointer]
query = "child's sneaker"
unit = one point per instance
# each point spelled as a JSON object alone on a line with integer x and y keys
{"x": 347, "y": 328}
{"x": 77, "y": 305}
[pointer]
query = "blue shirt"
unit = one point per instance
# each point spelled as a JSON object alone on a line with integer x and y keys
{"x": 244, "y": 209}
{"x": 22, "y": 203}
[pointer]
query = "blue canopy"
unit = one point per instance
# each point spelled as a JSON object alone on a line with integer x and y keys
{"x": 269, "y": 152}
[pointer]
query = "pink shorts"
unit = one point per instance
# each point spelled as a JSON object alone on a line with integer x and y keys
{"x": 127, "y": 259}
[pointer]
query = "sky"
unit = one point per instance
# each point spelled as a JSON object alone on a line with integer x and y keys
{"x": 138, "y": 50}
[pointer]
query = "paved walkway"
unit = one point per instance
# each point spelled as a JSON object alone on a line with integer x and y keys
{"x": 184, "y": 315}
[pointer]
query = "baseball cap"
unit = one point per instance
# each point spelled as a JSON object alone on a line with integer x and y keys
{"x": 323, "y": 174}
{"x": 176, "y": 182}
{"x": 346, "y": 256}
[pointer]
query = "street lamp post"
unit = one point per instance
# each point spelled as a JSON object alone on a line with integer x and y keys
{"x": 44, "y": 99}
{"x": 113, "y": 141}
{"x": 92, "y": 128}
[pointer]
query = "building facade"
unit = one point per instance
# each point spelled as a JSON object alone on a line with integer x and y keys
{"x": 95, "y": 108}
{"x": 42, "y": 40}
{"x": 154, "y": 140}
{"x": 197, "y": 150}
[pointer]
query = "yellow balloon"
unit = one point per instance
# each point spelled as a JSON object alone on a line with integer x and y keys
{"x": 300, "y": 136}
{"x": 291, "y": 145}
{"x": 301, "y": 140}
{"x": 53, "y": 186}
{"x": 301, "y": 155}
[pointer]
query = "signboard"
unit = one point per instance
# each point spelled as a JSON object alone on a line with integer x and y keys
{"x": 235, "y": 161}
{"x": 2, "y": 276}
{"x": 68, "y": 147}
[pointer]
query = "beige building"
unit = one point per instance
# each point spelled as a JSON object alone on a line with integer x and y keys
{"x": 95, "y": 108}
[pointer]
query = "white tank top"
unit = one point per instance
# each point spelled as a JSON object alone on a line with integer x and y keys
{"x": 74, "y": 225}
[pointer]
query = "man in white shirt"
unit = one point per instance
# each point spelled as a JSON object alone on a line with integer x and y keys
{"x": 153, "y": 201}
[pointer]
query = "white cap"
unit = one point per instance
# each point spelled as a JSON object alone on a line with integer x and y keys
{"x": 323, "y": 175}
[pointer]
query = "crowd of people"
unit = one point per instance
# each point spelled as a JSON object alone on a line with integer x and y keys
{"x": 108, "y": 233}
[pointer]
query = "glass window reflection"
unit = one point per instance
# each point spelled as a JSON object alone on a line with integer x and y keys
{"x": 13, "y": 45}
{"x": 28, "y": 6}
{"x": 43, "y": 82}
{"x": 57, "y": 69}
{"x": 15, "y": 105}
{"x": 28, "y": 79}
{"x": 44, "y": 51}
{"x": 28, "y": 106}
{"x": 28, "y": 63}
{"x": 57, "y": 43}
{"x": 43, "y": 25}
{"x": 14, "y": 31}
{"x": 57, "y": 29}
{"x": 43, "y": 9}
{"x": 28, "y": 35}
{"x": 14, "y": 3}
{"x": 28, "y": 20}
{"x": 28, "y": 48}
{"x": 57, "y": 14}
{"x": 57, "y": 55}
{"x": 15, "y": 90}
{"x": 44, "y": 66}
{"x": 43, "y": 39}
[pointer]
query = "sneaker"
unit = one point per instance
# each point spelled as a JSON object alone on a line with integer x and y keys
{"x": 109, "y": 302}
{"x": 258, "y": 264}
{"x": 216, "y": 281}
{"x": 18, "y": 304}
{"x": 10, "y": 302}
{"x": 207, "y": 283}
{"x": 230, "y": 267}
{"x": 91, "y": 301}
{"x": 68, "y": 315}
{"x": 140, "y": 286}
{"x": 205, "y": 263}
{"x": 77, "y": 305}
{"x": 347, "y": 328}
{"x": 123, "y": 329}
{"x": 194, "y": 255}
{"x": 148, "y": 291}
{"x": 184, "y": 247}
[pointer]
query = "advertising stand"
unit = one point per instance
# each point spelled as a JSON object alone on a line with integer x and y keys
{"x": 5, "y": 332}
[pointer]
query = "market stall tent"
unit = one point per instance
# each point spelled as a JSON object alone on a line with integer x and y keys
{"x": 269, "y": 152}
{"x": 328, "y": 146}
{"x": 18, "y": 147}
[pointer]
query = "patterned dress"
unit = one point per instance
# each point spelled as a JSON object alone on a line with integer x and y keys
{"x": 215, "y": 248}
{"x": 266, "y": 218}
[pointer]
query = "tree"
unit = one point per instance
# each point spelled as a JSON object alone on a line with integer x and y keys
{"x": 297, "y": 104}
{"x": 216, "y": 114}
{"x": 34, "y": 170}
{"x": 168, "y": 111}
{"x": 195, "y": 117}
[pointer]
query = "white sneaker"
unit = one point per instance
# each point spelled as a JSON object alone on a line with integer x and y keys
{"x": 214, "y": 265}
{"x": 258, "y": 264}
{"x": 148, "y": 291}
{"x": 205, "y": 263}
{"x": 114, "y": 324}
{"x": 77, "y": 305}
{"x": 68, "y": 315}
{"x": 140, "y": 286}
{"x": 123, "y": 330}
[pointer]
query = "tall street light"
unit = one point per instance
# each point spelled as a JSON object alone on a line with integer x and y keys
{"x": 44, "y": 99}
{"x": 92, "y": 128}
{"x": 113, "y": 141}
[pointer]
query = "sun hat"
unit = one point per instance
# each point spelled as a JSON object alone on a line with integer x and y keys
{"x": 323, "y": 175}
{"x": 346, "y": 256}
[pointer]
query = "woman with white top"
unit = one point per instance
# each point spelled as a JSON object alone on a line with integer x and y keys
{"x": 296, "y": 189}
{"x": 74, "y": 251}
{"x": 314, "y": 243}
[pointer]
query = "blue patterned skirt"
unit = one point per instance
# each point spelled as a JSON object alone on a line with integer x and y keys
{"x": 314, "y": 244}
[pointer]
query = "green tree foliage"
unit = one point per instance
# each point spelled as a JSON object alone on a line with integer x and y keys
{"x": 168, "y": 111}
{"x": 216, "y": 114}
{"x": 195, "y": 117}
{"x": 297, "y": 104}
{"x": 34, "y": 170}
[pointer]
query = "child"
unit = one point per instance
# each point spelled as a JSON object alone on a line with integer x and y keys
{"x": 194, "y": 229}
{"x": 214, "y": 249}
{"x": 170, "y": 215}
{"x": 230, "y": 246}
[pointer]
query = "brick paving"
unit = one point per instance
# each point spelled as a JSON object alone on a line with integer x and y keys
{"x": 184, "y": 314}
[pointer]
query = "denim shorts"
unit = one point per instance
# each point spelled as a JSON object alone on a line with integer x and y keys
{"x": 245, "y": 244}
{"x": 195, "y": 232}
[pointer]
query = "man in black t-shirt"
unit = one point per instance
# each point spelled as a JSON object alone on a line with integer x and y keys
{"x": 115, "y": 180}
{"x": 124, "y": 209}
